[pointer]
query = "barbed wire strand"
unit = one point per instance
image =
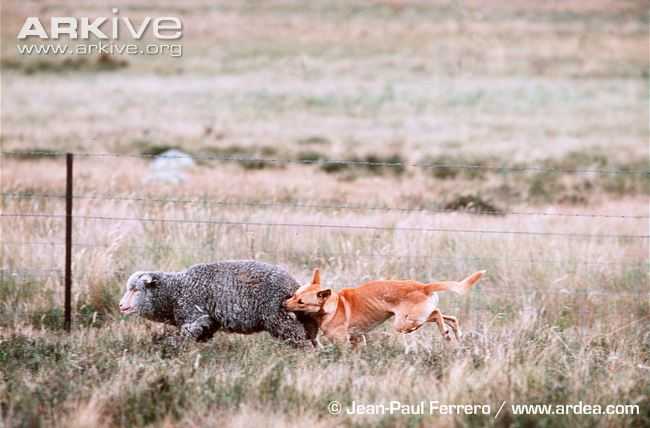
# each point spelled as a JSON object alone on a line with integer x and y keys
{"x": 329, "y": 254}
{"x": 245, "y": 203}
{"x": 499, "y": 168}
{"x": 10, "y": 271}
{"x": 328, "y": 226}
{"x": 246, "y": 159}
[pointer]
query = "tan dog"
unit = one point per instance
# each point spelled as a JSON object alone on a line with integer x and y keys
{"x": 349, "y": 313}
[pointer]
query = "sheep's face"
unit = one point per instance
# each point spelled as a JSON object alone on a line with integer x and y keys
{"x": 140, "y": 294}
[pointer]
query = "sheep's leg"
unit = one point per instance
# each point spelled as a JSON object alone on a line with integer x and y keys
{"x": 311, "y": 328}
{"x": 203, "y": 328}
{"x": 287, "y": 328}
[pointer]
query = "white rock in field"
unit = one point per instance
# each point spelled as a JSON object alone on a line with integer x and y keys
{"x": 168, "y": 167}
{"x": 172, "y": 159}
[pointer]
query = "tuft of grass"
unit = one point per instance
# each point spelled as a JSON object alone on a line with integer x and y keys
{"x": 242, "y": 154}
{"x": 12, "y": 291}
{"x": 103, "y": 62}
{"x": 149, "y": 401}
{"x": 268, "y": 151}
{"x": 102, "y": 294}
{"x": 451, "y": 167}
{"x": 579, "y": 159}
{"x": 545, "y": 187}
{"x": 313, "y": 140}
{"x": 106, "y": 62}
{"x": 256, "y": 164}
{"x": 48, "y": 318}
{"x": 473, "y": 203}
{"x": 148, "y": 148}
{"x": 35, "y": 153}
{"x": 17, "y": 297}
{"x": 394, "y": 165}
{"x": 333, "y": 167}
{"x": 227, "y": 150}
{"x": 310, "y": 156}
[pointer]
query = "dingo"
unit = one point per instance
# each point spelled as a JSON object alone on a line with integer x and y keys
{"x": 349, "y": 313}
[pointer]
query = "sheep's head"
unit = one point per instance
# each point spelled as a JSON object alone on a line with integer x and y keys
{"x": 141, "y": 293}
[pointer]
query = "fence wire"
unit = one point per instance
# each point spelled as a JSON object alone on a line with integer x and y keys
{"x": 327, "y": 226}
{"x": 503, "y": 169}
{"x": 350, "y": 162}
{"x": 304, "y": 205}
{"x": 337, "y": 254}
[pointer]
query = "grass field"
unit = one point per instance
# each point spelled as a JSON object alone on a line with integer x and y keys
{"x": 542, "y": 99}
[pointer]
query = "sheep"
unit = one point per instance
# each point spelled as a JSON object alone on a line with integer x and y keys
{"x": 240, "y": 296}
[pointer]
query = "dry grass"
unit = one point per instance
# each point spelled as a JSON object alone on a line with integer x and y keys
{"x": 517, "y": 84}
{"x": 537, "y": 351}
{"x": 529, "y": 336}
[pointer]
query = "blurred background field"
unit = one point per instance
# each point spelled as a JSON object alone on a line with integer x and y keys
{"x": 539, "y": 110}
{"x": 526, "y": 80}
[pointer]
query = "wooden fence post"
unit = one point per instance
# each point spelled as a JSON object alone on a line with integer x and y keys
{"x": 68, "y": 242}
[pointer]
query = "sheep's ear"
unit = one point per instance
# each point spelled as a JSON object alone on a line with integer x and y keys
{"x": 323, "y": 295}
{"x": 315, "y": 277}
{"x": 149, "y": 280}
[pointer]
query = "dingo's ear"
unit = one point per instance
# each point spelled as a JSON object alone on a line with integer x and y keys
{"x": 323, "y": 295}
{"x": 315, "y": 278}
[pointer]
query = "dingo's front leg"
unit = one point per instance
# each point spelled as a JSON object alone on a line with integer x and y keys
{"x": 404, "y": 324}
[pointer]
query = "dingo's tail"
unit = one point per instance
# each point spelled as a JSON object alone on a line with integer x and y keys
{"x": 455, "y": 286}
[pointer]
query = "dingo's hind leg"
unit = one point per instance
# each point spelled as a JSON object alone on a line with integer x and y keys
{"x": 437, "y": 317}
{"x": 453, "y": 323}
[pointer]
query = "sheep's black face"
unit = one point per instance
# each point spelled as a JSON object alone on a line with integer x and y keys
{"x": 141, "y": 294}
